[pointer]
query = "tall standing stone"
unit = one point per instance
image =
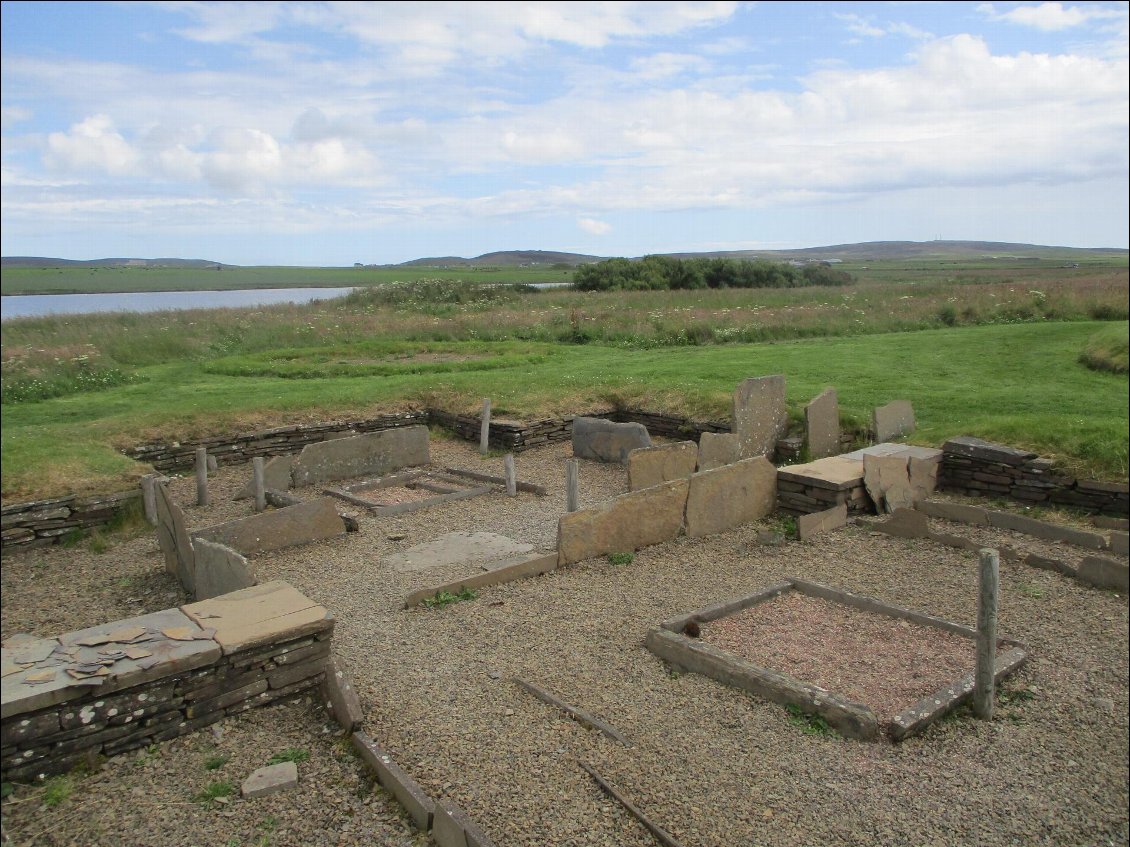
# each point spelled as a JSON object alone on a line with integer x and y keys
{"x": 759, "y": 415}
{"x": 822, "y": 425}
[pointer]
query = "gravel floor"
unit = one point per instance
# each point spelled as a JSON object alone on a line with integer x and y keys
{"x": 709, "y": 764}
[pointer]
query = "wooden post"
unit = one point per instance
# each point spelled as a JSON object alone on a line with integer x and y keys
{"x": 484, "y": 428}
{"x": 149, "y": 494}
{"x": 984, "y": 681}
{"x": 257, "y": 484}
{"x": 511, "y": 476}
{"x": 202, "y": 498}
{"x": 571, "y": 498}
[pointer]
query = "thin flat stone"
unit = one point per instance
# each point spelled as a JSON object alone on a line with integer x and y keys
{"x": 39, "y": 677}
{"x": 270, "y": 780}
{"x": 179, "y": 633}
{"x": 127, "y": 634}
{"x": 92, "y": 640}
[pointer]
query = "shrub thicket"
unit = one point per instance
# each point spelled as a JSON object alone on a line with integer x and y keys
{"x": 666, "y": 272}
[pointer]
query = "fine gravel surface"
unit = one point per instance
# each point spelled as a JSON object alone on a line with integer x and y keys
{"x": 707, "y": 763}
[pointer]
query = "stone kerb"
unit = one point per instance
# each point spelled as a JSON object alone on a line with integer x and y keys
{"x": 372, "y": 454}
{"x": 822, "y": 424}
{"x": 760, "y": 416}
{"x": 628, "y": 522}
{"x": 729, "y": 496}
{"x": 303, "y": 523}
{"x": 648, "y": 466}
{"x": 605, "y": 441}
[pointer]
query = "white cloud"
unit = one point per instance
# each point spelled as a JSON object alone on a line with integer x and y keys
{"x": 91, "y": 145}
{"x": 594, "y": 227}
{"x": 1050, "y": 17}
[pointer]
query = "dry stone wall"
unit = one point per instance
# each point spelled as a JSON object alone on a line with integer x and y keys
{"x": 41, "y": 522}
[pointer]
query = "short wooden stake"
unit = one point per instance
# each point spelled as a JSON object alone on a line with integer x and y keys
{"x": 149, "y": 494}
{"x": 257, "y": 484}
{"x": 202, "y": 498}
{"x": 572, "y": 501}
{"x": 484, "y": 428}
{"x": 511, "y": 476}
{"x": 984, "y": 681}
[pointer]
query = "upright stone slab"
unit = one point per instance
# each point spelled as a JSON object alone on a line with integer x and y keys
{"x": 716, "y": 449}
{"x": 220, "y": 570}
{"x": 604, "y": 441}
{"x": 923, "y": 476}
{"x": 276, "y": 475}
{"x": 650, "y": 466}
{"x": 888, "y": 482}
{"x": 726, "y": 497}
{"x": 371, "y": 454}
{"x": 625, "y": 523}
{"x": 813, "y": 524}
{"x": 173, "y": 538}
{"x": 894, "y": 420}
{"x": 822, "y": 425}
{"x": 300, "y": 524}
{"x": 759, "y": 415}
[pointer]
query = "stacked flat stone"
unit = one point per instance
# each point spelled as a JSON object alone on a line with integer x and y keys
{"x": 40, "y": 522}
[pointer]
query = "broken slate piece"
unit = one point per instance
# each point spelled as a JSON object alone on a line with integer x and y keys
{"x": 180, "y": 633}
{"x": 204, "y": 634}
{"x": 32, "y": 653}
{"x": 127, "y": 634}
{"x": 10, "y": 668}
{"x": 270, "y": 780}
{"x": 39, "y": 677}
{"x": 93, "y": 641}
{"x": 146, "y": 664}
{"x": 137, "y": 653}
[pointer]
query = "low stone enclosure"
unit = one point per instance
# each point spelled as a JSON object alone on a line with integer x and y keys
{"x": 684, "y": 642}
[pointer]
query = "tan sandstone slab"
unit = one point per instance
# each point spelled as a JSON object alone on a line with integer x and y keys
{"x": 625, "y": 523}
{"x": 650, "y": 466}
{"x": 278, "y": 528}
{"x": 838, "y": 473}
{"x": 887, "y": 480}
{"x": 893, "y": 420}
{"x": 759, "y": 414}
{"x": 726, "y": 497}
{"x": 822, "y": 424}
{"x": 371, "y": 454}
{"x": 716, "y": 449}
{"x": 815, "y": 523}
{"x": 273, "y": 611}
{"x": 220, "y": 570}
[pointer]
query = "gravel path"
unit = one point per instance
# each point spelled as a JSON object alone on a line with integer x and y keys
{"x": 709, "y": 764}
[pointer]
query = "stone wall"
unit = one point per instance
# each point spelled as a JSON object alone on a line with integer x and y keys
{"x": 983, "y": 469}
{"x": 255, "y": 647}
{"x": 40, "y": 522}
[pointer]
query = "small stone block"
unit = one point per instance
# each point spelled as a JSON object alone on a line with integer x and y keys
{"x": 818, "y": 522}
{"x": 270, "y": 780}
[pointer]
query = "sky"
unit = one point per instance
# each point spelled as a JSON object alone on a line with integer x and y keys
{"x": 276, "y": 133}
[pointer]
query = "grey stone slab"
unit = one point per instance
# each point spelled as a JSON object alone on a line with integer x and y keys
{"x": 894, "y": 420}
{"x": 716, "y": 449}
{"x": 220, "y": 570}
{"x": 447, "y": 825}
{"x": 315, "y": 520}
{"x": 976, "y": 448}
{"x": 457, "y": 548}
{"x": 1046, "y": 531}
{"x": 271, "y": 612}
{"x": 1120, "y": 543}
{"x": 174, "y": 540}
{"x": 729, "y": 496}
{"x": 417, "y": 804}
{"x": 270, "y": 780}
{"x": 648, "y": 466}
{"x": 276, "y": 475}
{"x": 371, "y": 454}
{"x": 628, "y": 522}
{"x": 604, "y": 441}
{"x": 532, "y": 564}
{"x": 887, "y": 480}
{"x": 822, "y": 424}
{"x": 760, "y": 416}
{"x": 957, "y": 512}
{"x": 905, "y": 523}
{"x": 1104, "y": 573}
{"x": 813, "y": 524}
{"x": 341, "y": 698}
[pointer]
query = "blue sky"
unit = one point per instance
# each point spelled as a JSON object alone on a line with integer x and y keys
{"x": 334, "y": 133}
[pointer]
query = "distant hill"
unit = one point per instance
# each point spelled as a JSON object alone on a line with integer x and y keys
{"x": 505, "y": 258}
{"x": 45, "y": 262}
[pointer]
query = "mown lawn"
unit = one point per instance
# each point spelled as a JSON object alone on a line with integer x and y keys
{"x": 1020, "y": 384}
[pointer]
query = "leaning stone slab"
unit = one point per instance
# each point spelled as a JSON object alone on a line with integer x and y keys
{"x": 727, "y": 497}
{"x": 760, "y": 416}
{"x": 419, "y": 806}
{"x": 604, "y": 441}
{"x": 1104, "y": 573}
{"x": 220, "y": 570}
{"x": 276, "y": 475}
{"x": 628, "y": 522}
{"x": 341, "y": 698}
{"x": 270, "y": 780}
{"x": 813, "y": 524}
{"x": 888, "y": 483}
{"x": 371, "y": 454}
{"x": 273, "y": 611}
{"x": 716, "y": 449}
{"x": 173, "y": 538}
{"x": 894, "y": 420}
{"x": 316, "y": 520}
{"x": 905, "y": 523}
{"x": 457, "y": 548}
{"x": 822, "y": 424}
{"x": 648, "y": 466}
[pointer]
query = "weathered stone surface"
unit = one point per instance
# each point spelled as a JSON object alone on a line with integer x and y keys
{"x": 923, "y": 477}
{"x": 457, "y": 548}
{"x": 1104, "y": 573}
{"x": 276, "y": 475}
{"x": 447, "y": 825}
{"x": 220, "y": 570}
{"x": 818, "y": 522}
{"x": 273, "y": 611}
{"x": 371, "y": 454}
{"x": 905, "y": 523}
{"x": 604, "y": 441}
{"x": 173, "y": 538}
{"x": 1120, "y": 543}
{"x": 270, "y": 780}
{"x": 888, "y": 482}
{"x": 822, "y": 424}
{"x": 976, "y": 448}
{"x": 340, "y": 696}
{"x": 628, "y": 522}
{"x": 520, "y": 567}
{"x": 418, "y": 805}
{"x": 956, "y": 512}
{"x": 716, "y": 449}
{"x": 726, "y": 497}
{"x": 648, "y": 466}
{"x": 894, "y": 420}
{"x": 760, "y": 416}
{"x": 836, "y": 473}
{"x": 273, "y": 530}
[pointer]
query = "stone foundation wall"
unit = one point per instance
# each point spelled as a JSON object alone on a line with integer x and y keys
{"x": 49, "y": 728}
{"x": 804, "y": 498}
{"x": 40, "y": 522}
{"x": 983, "y": 469}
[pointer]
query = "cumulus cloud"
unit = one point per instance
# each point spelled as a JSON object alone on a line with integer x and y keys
{"x": 594, "y": 227}
{"x": 1050, "y": 17}
{"x": 91, "y": 145}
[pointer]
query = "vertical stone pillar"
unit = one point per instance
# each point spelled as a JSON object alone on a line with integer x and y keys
{"x": 572, "y": 501}
{"x": 985, "y": 682}
{"x": 484, "y": 428}
{"x": 258, "y": 485}
{"x": 149, "y": 494}
{"x": 202, "y": 498}
{"x": 511, "y": 476}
